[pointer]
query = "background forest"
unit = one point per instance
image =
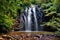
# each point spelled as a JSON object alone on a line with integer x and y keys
{"x": 9, "y": 12}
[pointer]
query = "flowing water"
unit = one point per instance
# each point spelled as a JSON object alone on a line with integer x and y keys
{"x": 28, "y": 24}
{"x": 35, "y": 17}
{"x": 32, "y": 18}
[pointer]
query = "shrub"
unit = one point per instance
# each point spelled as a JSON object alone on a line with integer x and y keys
{"x": 5, "y": 23}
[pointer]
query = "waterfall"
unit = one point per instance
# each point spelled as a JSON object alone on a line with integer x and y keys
{"x": 35, "y": 17}
{"x": 28, "y": 27}
{"x": 29, "y": 22}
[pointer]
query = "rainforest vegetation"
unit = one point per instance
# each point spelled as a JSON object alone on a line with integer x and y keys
{"x": 9, "y": 12}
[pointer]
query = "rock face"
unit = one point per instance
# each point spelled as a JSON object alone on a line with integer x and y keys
{"x": 16, "y": 24}
{"x": 30, "y": 36}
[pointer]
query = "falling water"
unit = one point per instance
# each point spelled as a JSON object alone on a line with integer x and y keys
{"x": 35, "y": 18}
{"x": 31, "y": 18}
{"x": 28, "y": 24}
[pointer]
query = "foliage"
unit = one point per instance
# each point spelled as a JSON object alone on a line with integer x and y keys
{"x": 7, "y": 13}
{"x": 58, "y": 33}
{"x": 57, "y": 5}
{"x": 52, "y": 11}
{"x": 5, "y": 23}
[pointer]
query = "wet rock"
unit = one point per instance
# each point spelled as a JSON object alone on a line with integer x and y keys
{"x": 7, "y": 37}
{"x": 29, "y": 36}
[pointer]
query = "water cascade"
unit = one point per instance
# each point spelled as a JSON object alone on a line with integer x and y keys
{"x": 31, "y": 19}
{"x": 35, "y": 17}
{"x": 28, "y": 20}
